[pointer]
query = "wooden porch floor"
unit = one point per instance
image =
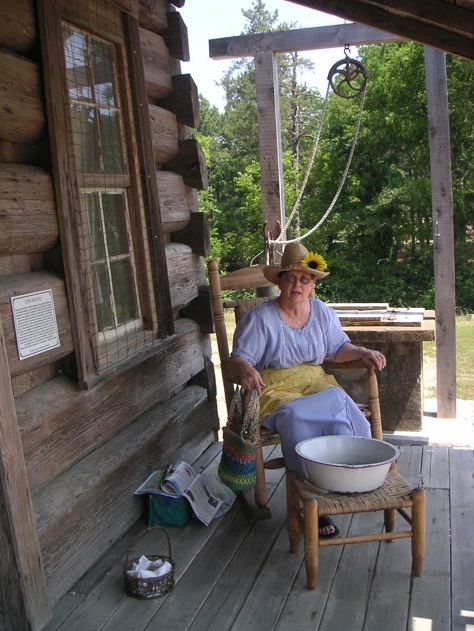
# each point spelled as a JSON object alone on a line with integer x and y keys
{"x": 238, "y": 573}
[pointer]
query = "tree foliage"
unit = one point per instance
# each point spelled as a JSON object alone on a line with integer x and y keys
{"x": 378, "y": 239}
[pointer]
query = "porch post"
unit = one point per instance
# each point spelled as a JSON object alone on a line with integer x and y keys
{"x": 24, "y": 598}
{"x": 269, "y": 136}
{"x": 443, "y": 231}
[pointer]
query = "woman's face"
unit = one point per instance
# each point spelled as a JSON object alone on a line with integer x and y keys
{"x": 295, "y": 286}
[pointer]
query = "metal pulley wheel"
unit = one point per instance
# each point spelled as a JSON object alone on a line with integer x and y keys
{"x": 348, "y": 78}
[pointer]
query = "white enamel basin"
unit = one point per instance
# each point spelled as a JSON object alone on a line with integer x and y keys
{"x": 347, "y": 464}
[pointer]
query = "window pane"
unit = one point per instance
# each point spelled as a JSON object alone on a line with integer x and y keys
{"x": 86, "y": 145}
{"x": 105, "y": 318}
{"x": 92, "y": 88}
{"x": 79, "y": 82}
{"x": 115, "y": 224}
{"x": 124, "y": 290}
{"x": 103, "y": 73}
{"x": 94, "y": 225}
{"x": 111, "y": 141}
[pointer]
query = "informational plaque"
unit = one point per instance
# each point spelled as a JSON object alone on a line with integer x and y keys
{"x": 35, "y": 323}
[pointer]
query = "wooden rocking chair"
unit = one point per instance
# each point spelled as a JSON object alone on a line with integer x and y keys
{"x": 252, "y": 278}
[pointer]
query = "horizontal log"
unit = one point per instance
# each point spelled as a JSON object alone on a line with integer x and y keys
{"x": 16, "y": 264}
{"x": 176, "y": 37}
{"x": 28, "y": 219}
{"x": 164, "y": 134}
{"x": 61, "y": 424}
{"x": 190, "y": 163}
{"x": 174, "y": 201}
{"x": 192, "y": 197}
{"x": 23, "y": 152}
{"x": 34, "y": 378}
{"x": 22, "y": 117}
{"x": 21, "y": 284}
{"x": 18, "y": 26}
{"x": 184, "y": 271}
{"x": 175, "y": 66}
{"x": 184, "y": 100}
{"x": 49, "y": 504}
{"x": 156, "y": 65}
{"x": 92, "y": 504}
{"x": 152, "y": 15}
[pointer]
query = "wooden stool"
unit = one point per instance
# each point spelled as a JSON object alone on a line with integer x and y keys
{"x": 306, "y": 503}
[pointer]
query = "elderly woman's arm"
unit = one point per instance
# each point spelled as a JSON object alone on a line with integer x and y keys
{"x": 348, "y": 352}
{"x": 241, "y": 371}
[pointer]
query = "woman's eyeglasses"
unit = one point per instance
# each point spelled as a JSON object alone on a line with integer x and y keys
{"x": 291, "y": 278}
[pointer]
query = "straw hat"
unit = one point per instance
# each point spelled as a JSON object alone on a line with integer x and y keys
{"x": 297, "y": 257}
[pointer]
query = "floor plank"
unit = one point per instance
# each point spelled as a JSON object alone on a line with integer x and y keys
{"x": 239, "y": 577}
{"x": 304, "y": 608}
{"x": 431, "y": 593}
{"x": 461, "y": 511}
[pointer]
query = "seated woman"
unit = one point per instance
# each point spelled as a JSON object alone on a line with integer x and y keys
{"x": 277, "y": 350}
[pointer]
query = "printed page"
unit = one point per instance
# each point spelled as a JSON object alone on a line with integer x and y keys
{"x": 178, "y": 478}
{"x": 204, "y": 504}
{"x": 152, "y": 484}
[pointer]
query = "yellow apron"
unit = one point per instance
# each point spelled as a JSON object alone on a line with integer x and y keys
{"x": 287, "y": 384}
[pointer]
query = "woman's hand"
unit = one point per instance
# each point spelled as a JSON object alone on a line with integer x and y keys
{"x": 242, "y": 372}
{"x": 374, "y": 359}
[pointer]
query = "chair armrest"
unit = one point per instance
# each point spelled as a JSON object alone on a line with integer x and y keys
{"x": 330, "y": 364}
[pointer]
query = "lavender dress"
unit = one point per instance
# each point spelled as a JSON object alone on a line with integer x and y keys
{"x": 266, "y": 341}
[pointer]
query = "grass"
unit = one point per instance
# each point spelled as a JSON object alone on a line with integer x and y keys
{"x": 464, "y": 361}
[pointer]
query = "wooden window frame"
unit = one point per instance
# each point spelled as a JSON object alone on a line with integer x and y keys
{"x": 154, "y": 295}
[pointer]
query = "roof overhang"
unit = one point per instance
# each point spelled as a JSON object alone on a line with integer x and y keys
{"x": 447, "y": 25}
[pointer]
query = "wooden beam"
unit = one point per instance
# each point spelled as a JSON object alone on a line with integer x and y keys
{"x": 23, "y": 591}
{"x": 269, "y": 134}
{"x": 64, "y": 181}
{"x": 316, "y": 38}
{"x": 176, "y": 37}
{"x": 183, "y": 100}
{"x": 196, "y": 234}
{"x": 443, "y": 239}
{"x": 434, "y": 23}
{"x": 190, "y": 163}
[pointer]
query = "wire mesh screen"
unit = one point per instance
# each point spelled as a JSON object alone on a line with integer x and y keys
{"x": 110, "y": 212}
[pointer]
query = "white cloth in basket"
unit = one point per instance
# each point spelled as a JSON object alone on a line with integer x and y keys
{"x": 149, "y": 569}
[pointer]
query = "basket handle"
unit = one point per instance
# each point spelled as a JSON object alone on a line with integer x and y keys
{"x": 140, "y": 536}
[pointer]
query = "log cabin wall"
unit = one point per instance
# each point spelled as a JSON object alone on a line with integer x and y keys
{"x": 88, "y": 442}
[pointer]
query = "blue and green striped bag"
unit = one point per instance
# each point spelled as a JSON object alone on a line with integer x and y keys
{"x": 238, "y": 465}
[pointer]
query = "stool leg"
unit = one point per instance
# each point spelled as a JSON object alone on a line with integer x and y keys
{"x": 389, "y": 520}
{"x": 418, "y": 526}
{"x": 311, "y": 542}
{"x": 292, "y": 509}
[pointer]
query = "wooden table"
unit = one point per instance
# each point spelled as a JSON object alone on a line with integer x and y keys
{"x": 401, "y": 383}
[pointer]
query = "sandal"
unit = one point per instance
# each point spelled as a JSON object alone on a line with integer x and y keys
{"x": 327, "y": 522}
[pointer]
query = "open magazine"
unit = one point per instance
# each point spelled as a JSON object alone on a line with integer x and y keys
{"x": 180, "y": 480}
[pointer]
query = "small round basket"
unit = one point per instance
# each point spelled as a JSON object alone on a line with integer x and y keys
{"x": 154, "y": 587}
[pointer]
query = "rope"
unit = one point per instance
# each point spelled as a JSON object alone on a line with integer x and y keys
{"x": 310, "y": 163}
{"x": 338, "y": 192}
